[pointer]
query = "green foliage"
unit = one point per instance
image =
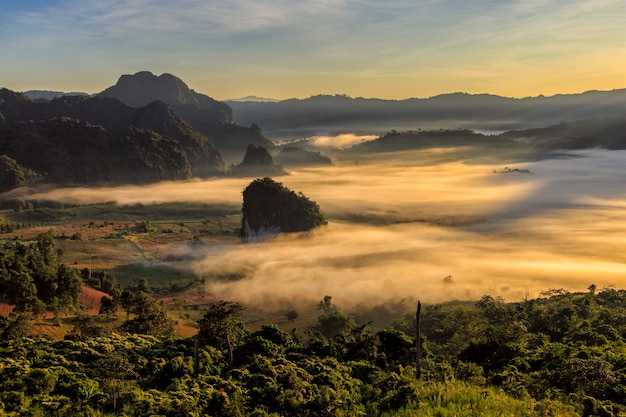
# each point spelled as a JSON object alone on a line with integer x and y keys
{"x": 269, "y": 207}
{"x": 151, "y": 316}
{"x": 353, "y": 371}
{"x": 220, "y": 326}
{"x": 32, "y": 279}
{"x": 12, "y": 174}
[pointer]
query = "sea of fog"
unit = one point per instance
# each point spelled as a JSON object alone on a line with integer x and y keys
{"x": 399, "y": 226}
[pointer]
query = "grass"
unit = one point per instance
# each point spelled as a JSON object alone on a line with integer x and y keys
{"x": 459, "y": 399}
{"x": 161, "y": 278}
{"x": 113, "y": 211}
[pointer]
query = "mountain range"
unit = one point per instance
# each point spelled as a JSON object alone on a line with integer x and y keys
{"x": 331, "y": 115}
{"x": 148, "y": 128}
{"x": 143, "y": 129}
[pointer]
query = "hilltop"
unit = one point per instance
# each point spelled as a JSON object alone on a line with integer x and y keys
{"x": 208, "y": 116}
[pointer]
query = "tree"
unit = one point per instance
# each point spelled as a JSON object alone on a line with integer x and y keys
{"x": 116, "y": 371}
{"x": 108, "y": 306}
{"x": 220, "y": 325}
{"x": 292, "y": 315}
{"x": 334, "y": 322}
{"x": 151, "y": 317}
{"x": 127, "y": 301}
{"x": 325, "y": 304}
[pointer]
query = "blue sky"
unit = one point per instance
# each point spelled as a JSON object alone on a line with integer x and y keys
{"x": 295, "y": 48}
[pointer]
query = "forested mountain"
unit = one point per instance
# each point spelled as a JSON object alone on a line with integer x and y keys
{"x": 608, "y": 133}
{"x": 325, "y": 114}
{"x": 68, "y": 151}
{"x": 79, "y": 139}
{"x": 211, "y": 118}
{"x": 398, "y": 141}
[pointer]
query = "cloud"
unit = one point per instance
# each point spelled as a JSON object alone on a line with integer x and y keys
{"x": 130, "y": 17}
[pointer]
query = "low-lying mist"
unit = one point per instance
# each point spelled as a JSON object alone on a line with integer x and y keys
{"x": 397, "y": 228}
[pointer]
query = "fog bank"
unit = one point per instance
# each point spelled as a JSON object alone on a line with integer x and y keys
{"x": 398, "y": 227}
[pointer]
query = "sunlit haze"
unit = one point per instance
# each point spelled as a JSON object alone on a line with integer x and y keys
{"x": 290, "y": 48}
{"x": 399, "y": 226}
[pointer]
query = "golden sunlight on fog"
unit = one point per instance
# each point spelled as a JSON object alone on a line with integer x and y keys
{"x": 344, "y": 140}
{"x": 397, "y": 228}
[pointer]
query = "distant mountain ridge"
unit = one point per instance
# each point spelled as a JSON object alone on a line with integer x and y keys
{"x": 608, "y": 133}
{"x": 326, "y": 114}
{"x": 50, "y": 95}
{"x": 253, "y": 98}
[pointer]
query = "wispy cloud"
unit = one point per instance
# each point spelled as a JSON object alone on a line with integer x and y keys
{"x": 126, "y": 16}
{"x": 371, "y": 47}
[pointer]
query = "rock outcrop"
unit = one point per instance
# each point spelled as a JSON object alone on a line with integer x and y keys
{"x": 270, "y": 208}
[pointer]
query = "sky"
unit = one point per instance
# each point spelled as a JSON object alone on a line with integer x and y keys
{"x": 293, "y": 48}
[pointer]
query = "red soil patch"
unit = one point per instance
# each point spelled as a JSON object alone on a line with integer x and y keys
{"x": 90, "y": 298}
{"x": 5, "y": 308}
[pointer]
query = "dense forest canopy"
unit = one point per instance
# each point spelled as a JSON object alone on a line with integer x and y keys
{"x": 32, "y": 278}
{"x": 560, "y": 354}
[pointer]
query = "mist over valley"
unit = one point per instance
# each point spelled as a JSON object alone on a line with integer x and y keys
{"x": 400, "y": 224}
{"x": 431, "y": 214}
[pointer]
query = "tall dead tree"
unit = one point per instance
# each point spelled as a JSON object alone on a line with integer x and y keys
{"x": 418, "y": 341}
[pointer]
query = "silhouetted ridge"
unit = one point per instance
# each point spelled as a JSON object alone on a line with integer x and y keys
{"x": 609, "y": 133}
{"x": 142, "y": 88}
{"x": 209, "y": 117}
{"x": 111, "y": 115}
{"x": 295, "y": 118}
{"x": 257, "y": 161}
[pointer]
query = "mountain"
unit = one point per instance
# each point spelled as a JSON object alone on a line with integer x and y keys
{"x": 257, "y": 162}
{"x": 210, "y": 117}
{"x": 326, "y": 114}
{"x": 608, "y": 133}
{"x": 143, "y": 88}
{"x": 400, "y": 141}
{"x": 68, "y": 151}
{"x": 253, "y": 98}
{"x": 145, "y": 144}
{"x": 113, "y": 114}
{"x": 13, "y": 175}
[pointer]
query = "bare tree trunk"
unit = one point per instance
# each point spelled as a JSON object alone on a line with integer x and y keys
{"x": 418, "y": 341}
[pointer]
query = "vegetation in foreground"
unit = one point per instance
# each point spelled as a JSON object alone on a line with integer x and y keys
{"x": 560, "y": 354}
